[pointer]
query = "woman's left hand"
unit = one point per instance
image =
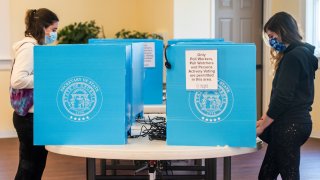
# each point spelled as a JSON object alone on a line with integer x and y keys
{"x": 260, "y": 127}
{"x": 263, "y": 123}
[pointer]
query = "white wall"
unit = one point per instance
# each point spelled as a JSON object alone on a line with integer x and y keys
{"x": 192, "y": 19}
{"x": 5, "y": 51}
{"x": 6, "y": 126}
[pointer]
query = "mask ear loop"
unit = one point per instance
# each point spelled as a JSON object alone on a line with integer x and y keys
{"x": 167, "y": 63}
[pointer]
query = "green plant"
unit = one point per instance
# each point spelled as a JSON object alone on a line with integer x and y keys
{"x": 79, "y": 33}
{"x": 126, "y": 34}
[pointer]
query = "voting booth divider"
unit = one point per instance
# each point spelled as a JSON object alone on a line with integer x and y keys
{"x": 83, "y": 93}
{"x": 153, "y": 67}
{"x": 194, "y": 41}
{"x": 136, "y": 73}
{"x": 91, "y": 94}
{"x": 211, "y": 94}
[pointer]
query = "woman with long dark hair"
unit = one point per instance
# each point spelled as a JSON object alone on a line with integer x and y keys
{"x": 287, "y": 123}
{"x": 41, "y": 29}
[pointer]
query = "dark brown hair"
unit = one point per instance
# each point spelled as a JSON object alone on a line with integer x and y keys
{"x": 36, "y": 21}
{"x": 286, "y": 27}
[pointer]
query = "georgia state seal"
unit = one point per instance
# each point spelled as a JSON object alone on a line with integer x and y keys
{"x": 212, "y": 106}
{"x": 79, "y": 99}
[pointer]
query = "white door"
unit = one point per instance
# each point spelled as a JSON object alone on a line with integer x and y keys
{"x": 242, "y": 21}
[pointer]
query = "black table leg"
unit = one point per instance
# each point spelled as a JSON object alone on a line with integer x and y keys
{"x": 103, "y": 167}
{"x": 211, "y": 169}
{"x": 113, "y": 163}
{"x": 227, "y": 168}
{"x": 91, "y": 168}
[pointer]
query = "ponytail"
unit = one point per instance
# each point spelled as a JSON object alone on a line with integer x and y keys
{"x": 36, "y": 21}
{"x": 30, "y": 21}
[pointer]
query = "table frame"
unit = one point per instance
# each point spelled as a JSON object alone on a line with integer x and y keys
{"x": 143, "y": 149}
{"x": 210, "y": 169}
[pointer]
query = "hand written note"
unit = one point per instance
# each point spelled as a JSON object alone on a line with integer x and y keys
{"x": 201, "y": 70}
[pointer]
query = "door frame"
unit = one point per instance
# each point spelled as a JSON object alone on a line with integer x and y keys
{"x": 267, "y": 72}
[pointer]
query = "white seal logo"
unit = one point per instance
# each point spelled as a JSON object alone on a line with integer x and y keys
{"x": 212, "y": 106}
{"x": 79, "y": 98}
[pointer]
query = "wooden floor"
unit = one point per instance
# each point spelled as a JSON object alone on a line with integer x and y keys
{"x": 244, "y": 167}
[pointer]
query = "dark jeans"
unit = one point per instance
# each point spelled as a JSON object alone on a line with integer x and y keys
{"x": 32, "y": 159}
{"x": 283, "y": 151}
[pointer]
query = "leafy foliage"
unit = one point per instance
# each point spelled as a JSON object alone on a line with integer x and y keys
{"x": 126, "y": 34}
{"x": 78, "y": 33}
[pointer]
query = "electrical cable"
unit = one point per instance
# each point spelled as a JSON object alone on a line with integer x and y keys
{"x": 157, "y": 129}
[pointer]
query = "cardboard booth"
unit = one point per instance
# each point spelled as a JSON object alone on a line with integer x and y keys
{"x": 153, "y": 66}
{"x": 211, "y": 94}
{"x": 82, "y": 94}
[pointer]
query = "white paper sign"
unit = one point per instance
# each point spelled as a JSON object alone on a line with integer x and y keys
{"x": 201, "y": 70}
{"x": 149, "y": 55}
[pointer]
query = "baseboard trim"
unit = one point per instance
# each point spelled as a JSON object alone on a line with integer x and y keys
{"x": 8, "y": 134}
{"x": 315, "y": 135}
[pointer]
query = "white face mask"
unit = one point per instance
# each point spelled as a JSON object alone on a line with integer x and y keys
{"x": 51, "y": 38}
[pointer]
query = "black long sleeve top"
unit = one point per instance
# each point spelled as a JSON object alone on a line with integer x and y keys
{"x": 293, "y": 85}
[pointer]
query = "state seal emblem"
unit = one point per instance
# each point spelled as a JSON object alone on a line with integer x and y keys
{"x": 79, "y": 99}
{"x": 212, "y": 106}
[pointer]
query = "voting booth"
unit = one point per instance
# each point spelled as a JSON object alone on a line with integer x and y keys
{"x": 194, "y": 41}
{"x": 136, "y": 73}
{"x": 82, "y": 94}
{"x": 211, "y": 94}
{"x": 153, "y": 66}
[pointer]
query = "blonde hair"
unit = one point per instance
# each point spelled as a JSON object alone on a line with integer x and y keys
{"x": 275, "y": 58}
{"x": 285, "y": 26}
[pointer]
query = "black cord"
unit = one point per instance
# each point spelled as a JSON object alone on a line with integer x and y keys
{"x": 157, "y": 129}
{"x": 167, "y": 63}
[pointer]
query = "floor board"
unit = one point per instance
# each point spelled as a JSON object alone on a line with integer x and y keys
{"x": 244, "y": 167}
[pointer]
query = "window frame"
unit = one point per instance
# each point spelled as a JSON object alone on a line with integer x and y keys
{"x": 312, "y": 19}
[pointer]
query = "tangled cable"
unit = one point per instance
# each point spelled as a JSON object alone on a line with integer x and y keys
{"x": 157, "y": 129}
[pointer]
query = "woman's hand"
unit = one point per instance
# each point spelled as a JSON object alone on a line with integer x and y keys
{"x": 260, "y": 127}
{"x": 263, "y": 123}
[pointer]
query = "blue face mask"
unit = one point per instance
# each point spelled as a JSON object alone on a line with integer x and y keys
{"x": 278, "y": 46}
{"x": 51, "y": 38}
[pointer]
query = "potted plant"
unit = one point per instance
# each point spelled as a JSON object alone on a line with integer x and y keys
{"x": 79, "y": 33}
{"x": 127, "y": 34}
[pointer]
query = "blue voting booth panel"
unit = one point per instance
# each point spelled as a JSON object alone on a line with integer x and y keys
{"x": 196, "y": 41}
{"x": 222, "y": 116}
{"x": 137, "y": 75}
{"x": 81, "y": 94}
{"x": 153, "y": 52}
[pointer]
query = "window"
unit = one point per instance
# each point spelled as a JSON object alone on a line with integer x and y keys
{"x": 313, "y": 24}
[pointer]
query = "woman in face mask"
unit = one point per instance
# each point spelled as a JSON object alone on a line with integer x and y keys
{"x": 287, "y": 123}
{"x": 41, "y": 29}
